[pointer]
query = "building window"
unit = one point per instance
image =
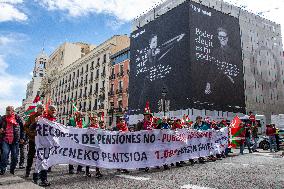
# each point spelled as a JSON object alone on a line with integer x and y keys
{"x": 87, "y": 68}
{"x": 103, "y": 84}
{"x": 111, "y": 104}
{"x": 97, "y": 88}
{"x": 104, "y": 58}
{"x": 92, "y": 66}
{"x": 120, "y": 85}
{"x": 112, "y": 71}
{"x": 120, "y": 104}
{"x": 98, "y": 72}
{"x": 91, "y": 89}
{"x": 98, "y": 61}
{"x": 95, "y": 105}
{"x": 121, "y": 68}
{"x": 112, "y": 88}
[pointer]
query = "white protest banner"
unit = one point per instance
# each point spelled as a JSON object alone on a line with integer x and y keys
{"x": 58, "y": 144}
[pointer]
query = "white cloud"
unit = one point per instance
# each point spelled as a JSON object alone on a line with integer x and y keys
{"x": 12, "y": 87}
{"x": 11, "y": 1}
{"x": 5, "y": 40}
{"x": 114, "y": 24}
{"x": 124, "y": 10}
{"x": 10, "y": 12}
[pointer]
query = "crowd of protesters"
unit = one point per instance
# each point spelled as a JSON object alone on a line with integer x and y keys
{"x": 15, "y": 134}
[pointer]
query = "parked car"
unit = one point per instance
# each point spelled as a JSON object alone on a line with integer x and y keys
{"x": 263, "y": 142}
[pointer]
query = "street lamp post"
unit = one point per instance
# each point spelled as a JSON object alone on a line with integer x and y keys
{"x": 164, "y": 93}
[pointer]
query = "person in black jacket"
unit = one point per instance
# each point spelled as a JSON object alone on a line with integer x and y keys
{"x": 11, "y": 135}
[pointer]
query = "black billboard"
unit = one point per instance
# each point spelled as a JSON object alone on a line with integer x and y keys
{"x": 194, "y": 54}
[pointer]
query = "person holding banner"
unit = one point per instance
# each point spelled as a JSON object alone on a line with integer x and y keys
{"x": 95, "y": 125}
{"x": 178, "y": 125}
{"x": 164, "y": 125}
{"x": 30, "y": 130}
{"x": 121, "y": 126}
{"x": 78, "y": 122}
{"x": 200, "y": 125}
{"x": 51, "y": 116}
{"x": 94, "y": 122}
{"x": 146, "y": 124}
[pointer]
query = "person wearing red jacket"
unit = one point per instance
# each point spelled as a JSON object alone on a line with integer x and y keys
{"x": 122, "y": 127}
{"x": 270, "y": 132}
{"x": 51, "y": 116}
{"x": 177, "y": 125}
{"x": 95, "y": 124}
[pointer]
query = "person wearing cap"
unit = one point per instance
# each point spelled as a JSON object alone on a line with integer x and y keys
{"x": 30, "y": 130}
{"x": 270, "y": 132}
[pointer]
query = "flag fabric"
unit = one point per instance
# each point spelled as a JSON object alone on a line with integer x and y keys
{"x": 147, "y": 108}
{"x": 75, "y": 109}
{"x": 30, "y": 110}
{"x": 37, "y": 99}
{"x": 237, "y": 132}
{"x": 103, "y": 116}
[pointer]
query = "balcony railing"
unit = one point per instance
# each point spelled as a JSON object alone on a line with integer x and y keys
{"x": 120, "y": 74}
{"x": 111, "y": 93}
{"x": 119, "y": 91}
{"x": 112, "y": 77}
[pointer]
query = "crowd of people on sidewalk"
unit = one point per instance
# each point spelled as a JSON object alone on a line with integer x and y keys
{"x": 15, "y": 134}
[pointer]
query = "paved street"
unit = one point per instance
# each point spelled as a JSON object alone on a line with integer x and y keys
{"x": 257, "y": 170}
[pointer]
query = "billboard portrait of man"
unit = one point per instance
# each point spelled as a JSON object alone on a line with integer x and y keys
{"x": 217, "y": 61}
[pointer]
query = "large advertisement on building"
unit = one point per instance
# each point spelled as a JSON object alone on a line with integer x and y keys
{"x": 191, "y": 56}
{"x": 216, "y": 60}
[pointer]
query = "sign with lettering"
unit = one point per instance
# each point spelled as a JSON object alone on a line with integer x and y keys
{"x": 58, "y": 144}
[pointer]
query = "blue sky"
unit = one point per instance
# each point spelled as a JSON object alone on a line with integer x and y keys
{"x": 26, "y": 26}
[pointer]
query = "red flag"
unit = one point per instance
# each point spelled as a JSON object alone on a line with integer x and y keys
{"x": 147, "y": 108}
{"x": 37, "y": 99}
{"x": 237, "y": 132}
{"x": 235, "y": 122}
{"x": 47, "y": 104}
